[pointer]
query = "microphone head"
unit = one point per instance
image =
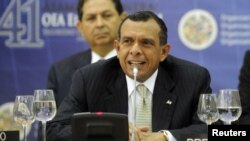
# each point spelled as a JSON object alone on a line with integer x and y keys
{"x": 135, "y": 69}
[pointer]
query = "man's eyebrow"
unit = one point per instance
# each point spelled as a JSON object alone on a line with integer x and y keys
{"x": 148, "y": 39}
{"x": 126, "y": 37}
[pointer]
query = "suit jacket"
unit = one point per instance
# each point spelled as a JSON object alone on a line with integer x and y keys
{"x": 60, "y": 73}
{"x": 244, "y": 89}
{"x": 102, "y": 87}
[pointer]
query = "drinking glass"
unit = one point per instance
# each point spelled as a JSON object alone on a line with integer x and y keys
{"x": 229, "y": 105}
{"x": 23, "y": 111}
{"x": 44, "y": 107}
{"x": 207, "y": 110}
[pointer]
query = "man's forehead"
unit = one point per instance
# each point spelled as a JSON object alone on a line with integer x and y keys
{"x": 104, "y": 11}
{"x": 97, "y": 6}
{"x": 140, "y": 28}
{"x": 150, "y": 23}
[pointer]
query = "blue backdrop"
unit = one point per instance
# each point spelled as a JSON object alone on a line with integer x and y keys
{"x": 34, "y": 34}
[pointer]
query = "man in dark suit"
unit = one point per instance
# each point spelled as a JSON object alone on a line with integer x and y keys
{"x": 173, "y": 84}
{"x": 244, "y": 89}
{"x": 98, "y": 23}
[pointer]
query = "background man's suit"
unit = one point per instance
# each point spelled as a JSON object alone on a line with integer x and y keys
{"x": 244, "y": 89}
{"x": 60, "y": 73}
{"x": 102, "y": 87}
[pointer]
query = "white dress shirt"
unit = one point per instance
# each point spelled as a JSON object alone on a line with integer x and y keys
{"x": 150, "y": 84}
{"x": 96, "y": 57}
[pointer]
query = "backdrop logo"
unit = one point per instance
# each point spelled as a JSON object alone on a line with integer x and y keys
{"x": 20, "y": 24}
{"x": 197, "y": 29}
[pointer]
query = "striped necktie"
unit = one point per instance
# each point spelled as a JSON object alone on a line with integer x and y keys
{"x": 143, "y": 112}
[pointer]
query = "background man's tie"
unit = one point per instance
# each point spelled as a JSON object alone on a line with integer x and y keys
{"x": 143, "y": 112}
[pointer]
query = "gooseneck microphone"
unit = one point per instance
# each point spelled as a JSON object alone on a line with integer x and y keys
{"x": 135, "y": 70}
{"x": 135, "y": 73}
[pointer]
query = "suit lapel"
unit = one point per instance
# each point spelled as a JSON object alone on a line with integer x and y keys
{"x": 163, "y": 101}
{"x": 116, "y": 98}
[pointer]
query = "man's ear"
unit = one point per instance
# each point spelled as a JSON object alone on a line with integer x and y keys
{"x": 165, "y": 49}
{"x": 79, "y": 27}
{"x": 117, "y": 47}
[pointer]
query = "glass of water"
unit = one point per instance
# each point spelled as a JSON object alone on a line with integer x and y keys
{"x": 207, "y": 110}
{"x": 44, "y": 107}
{"x": 229, "y": 105}
{"x": 23, "y": 111}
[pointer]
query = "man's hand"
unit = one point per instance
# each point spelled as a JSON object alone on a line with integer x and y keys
{"x": 131, "y": 130}
{"x": 143, "y": 134}
{"x": 151, "y": 136}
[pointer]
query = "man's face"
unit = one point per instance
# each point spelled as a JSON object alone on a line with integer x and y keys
{"x": 140, "y": 44}
{"x": 99, "y": 22}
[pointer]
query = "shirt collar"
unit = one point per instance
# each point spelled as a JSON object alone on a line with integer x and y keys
{"x": 149, "y": 83}
{"x": 96, "y": 57}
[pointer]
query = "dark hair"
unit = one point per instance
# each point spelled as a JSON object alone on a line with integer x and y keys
{"x": 117, "y": 3}
{"x": 145, "y": 16}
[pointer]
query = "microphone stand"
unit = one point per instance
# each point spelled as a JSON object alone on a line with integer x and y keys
{"x": 135, "y": 73}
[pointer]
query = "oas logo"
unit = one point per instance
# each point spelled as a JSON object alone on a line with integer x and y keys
{"x": 197, "y": 29}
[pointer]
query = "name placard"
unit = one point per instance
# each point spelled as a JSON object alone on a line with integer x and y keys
{"x": 9, "y": 136}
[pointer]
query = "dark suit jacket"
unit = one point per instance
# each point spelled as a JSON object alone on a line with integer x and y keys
{"x": 60, "y": 73}
{"x": 102, "y": 87}
{"x": 244, "y": 89}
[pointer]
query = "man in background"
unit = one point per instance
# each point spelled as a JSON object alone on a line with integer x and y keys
{"x": 98, "y": 23}
{"x": 244, "y": 89}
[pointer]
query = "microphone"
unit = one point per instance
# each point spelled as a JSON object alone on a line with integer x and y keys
{"x": 135, "y": 70}
{"x": 135, "y": 73}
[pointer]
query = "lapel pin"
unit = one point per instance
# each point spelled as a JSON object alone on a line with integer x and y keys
{"x": 169, "y": 102}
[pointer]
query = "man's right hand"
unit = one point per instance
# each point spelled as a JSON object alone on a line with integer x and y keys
{"x": 137, "y": 131}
